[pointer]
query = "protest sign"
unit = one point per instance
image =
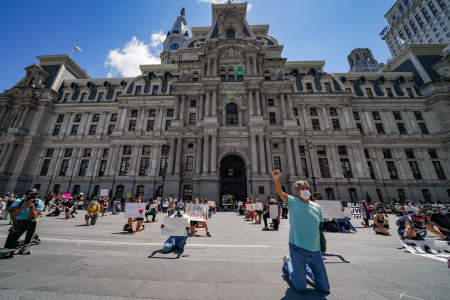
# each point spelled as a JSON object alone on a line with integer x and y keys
{"x": 174, "y": 226}
{"x": 331, "y": 209}
{"x": 258, "y": 206}
{"x": 212, "y": 203}
{"x": 250, "y": 207}
{"x": 347, "y": 212}
{"x": 358, "y": 211}
{"x": 438, "y": 250}
{"x": 273, "y": 210}
{"x": 196, "y": 212}
{"x": 67, "y": 195}
{"x": 104, "y": 192}
{"x": 134, "y": 210}
{"x": 128, "y": 195}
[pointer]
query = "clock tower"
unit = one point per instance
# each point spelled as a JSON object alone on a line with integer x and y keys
{"x": 178, "y": 34}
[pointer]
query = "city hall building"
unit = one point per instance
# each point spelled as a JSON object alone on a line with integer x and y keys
{"x": 221, "y": 111}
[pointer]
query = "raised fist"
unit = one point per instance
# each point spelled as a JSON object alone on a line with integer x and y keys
{"x": 276, "y": 174}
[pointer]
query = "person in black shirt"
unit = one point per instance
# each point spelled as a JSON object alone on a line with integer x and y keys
{"x": 70, "y": 208}
{"x": 441, "y": 220}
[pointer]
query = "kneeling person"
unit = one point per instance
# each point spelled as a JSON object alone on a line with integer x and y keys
{"x": 93, "y": 210}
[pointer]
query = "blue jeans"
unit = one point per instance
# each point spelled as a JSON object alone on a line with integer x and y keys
{"x": 345, "y": 222}
{"x": 304, "y": 263}
{"x": 173, "y": 241}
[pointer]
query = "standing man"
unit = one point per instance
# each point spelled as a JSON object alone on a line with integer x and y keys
{"x": 304, "y": 237}
{"x": 24, "y": 213}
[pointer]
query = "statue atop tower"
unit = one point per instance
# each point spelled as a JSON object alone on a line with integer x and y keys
{"x": 178, "y": 34}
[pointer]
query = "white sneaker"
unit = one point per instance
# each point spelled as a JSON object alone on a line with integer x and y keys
{"x": 285, "y": 258}
{"x": 25, "y": 250}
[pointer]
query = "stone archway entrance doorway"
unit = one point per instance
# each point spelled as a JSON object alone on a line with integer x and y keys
{"x": 233, "y": 178}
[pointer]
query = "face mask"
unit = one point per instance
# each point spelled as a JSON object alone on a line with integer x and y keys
{"x": 305, "y": 194}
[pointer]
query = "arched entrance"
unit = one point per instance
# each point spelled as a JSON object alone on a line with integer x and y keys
{"x": 233, "y": 178}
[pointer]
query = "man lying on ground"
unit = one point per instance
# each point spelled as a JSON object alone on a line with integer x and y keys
{"x": 441, "y": 220}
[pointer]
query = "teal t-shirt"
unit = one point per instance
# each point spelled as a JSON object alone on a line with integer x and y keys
{"x": 25, "y": 214}
{"x": 304, "y": 220}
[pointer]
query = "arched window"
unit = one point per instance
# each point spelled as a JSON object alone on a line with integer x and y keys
{"x": 231, "y": 34}
{"x": 232, "y": 114}
{"x": 329, "y": 194}
{"x": 352, "y": 194}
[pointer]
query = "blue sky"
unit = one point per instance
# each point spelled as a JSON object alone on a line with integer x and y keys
{"x": 116, "y": 35}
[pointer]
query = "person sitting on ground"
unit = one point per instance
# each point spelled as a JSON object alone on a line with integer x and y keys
{"x": 406, "y": 227}
{"x": 380, "y": 222}
{"x": 258, "y": 212}
{"x": 441, "y": 220}
{"x": 2, "y": 209}
{"x": 175, "y": 244}
{"x": 93, "y": 210}
{"x": 266, "y": 215}
{"x": 199, "y": 224}
{"x": 70, "y": 208}
{"x": 408, "y": 208}
{"x": 57, "y": 209}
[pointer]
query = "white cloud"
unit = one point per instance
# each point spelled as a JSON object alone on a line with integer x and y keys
{"x": 126, "y": 61}
{"x": 249, "y": 6}
{"x": 157, "y": 38}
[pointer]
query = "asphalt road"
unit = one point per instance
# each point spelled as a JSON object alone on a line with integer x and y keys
{"x": 239, "y": 261}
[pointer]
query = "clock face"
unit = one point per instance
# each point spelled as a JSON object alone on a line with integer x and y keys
{"x": 174, "y": 46}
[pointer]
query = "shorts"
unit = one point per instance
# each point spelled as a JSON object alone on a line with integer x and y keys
{"x": 139, "y": 219}
{"x": 259, "y": 212}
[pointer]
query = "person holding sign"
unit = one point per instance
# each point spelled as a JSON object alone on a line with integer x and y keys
{"x": 273, "y": 211}
{"x": 172, "y": 225}
{"x": 304, "y": 237}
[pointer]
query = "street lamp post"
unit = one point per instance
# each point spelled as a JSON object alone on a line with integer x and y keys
{"x": 312, "y": 169}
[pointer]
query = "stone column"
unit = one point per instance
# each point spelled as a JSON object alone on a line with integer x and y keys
{"x": 326, "y": 119}
{"x": 370, "y": 124}
{"x": 290, "y": 109}
{"x": 336, "y": 170}
{"x": 346, "y": 111}
{"x": 289, "y": 156}
{"x": 254, "y": 155}
{"x": 283, "y": 107}
{"x": 101, "y": 126}
{"x": 135, "y": 157}
{"x": 114, "y": 161}
{"x": 23, "y": 117}
{"x": 411, "y": 119}
{"x": 255, "y": 69}
{"x": 268, "y": 155}
{"x": 122, "y": 119}
{"x": 178, "y": 158}
{"x": 207, "y": 103}
{"x": 6, "y": 157}
{"x": 306, "y": 118}
{"x": 176, "y": 107}
{"x": 183, "y": 104}
{"x": 214, "y": 103}
{"x": 250, "y": 102}
{"x": 171, "y": 156}
{"x": 215, "y": 66}
{"x": 297, "y": 158}
{"x": 198, "y": 156}
{"x": 202, "y": 107}
{"x": 154, "y": 159}
{"x": 262, "y": 156}
{"x": 37, "y": 120}
{"x": 258, "y": 103}
{"x": 389, "y": 124}
{"x": 214, "y": 153}
{"x": 206, "y": 154}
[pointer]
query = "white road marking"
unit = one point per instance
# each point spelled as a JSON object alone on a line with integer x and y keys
{"x": 147, "y": 244}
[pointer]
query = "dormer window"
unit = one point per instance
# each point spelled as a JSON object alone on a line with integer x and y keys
{"x": 66, "y": 97}
{"x": 138, "y": 90}
{"x": 83, "y": 96}
{"x": 231, "y": 34}
{"x": 155, "y": 90}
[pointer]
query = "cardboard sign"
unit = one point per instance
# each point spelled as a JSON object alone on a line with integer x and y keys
{"x": 104, "y": 193}
{"x": 347, "y": 212}
{"x": 273, "y": 210}
{"x": 358, "y": 211}
{"x": 67, "y": 195}
{"x": 258, "y": 206}
{"x": 134, "y": 210}
{"x": 212, "y": 203}
{"x": 174, "y": 226}
{"x": 331, "y": 209}
{"x": 250, "y": 206}
{"x": 196, "y": 212}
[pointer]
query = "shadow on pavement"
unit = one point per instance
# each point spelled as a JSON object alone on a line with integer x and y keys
{"x": 343, "y": 260}
{"x": 292, "y": 294}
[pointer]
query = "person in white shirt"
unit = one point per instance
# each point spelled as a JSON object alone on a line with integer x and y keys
{"x": 2, "y": 208}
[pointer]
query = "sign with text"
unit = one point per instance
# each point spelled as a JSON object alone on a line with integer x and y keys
{"x": 174, "y": 226}
{"x": 331, "y": 209}
{"x": 212, "y": 203}
{"x": 134, "y": 210}
{"x": 250, "y": 207}
{"x": 358, "y": 211}
{"x": 273, "y": 210}
{"x": 258, "y": 206}
{"x": 196, "y": 212}
{"x": 438, "y": 250}
{"x": 104, "y": 193}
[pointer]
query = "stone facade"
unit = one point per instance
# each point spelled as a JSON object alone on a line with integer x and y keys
{"x": 416, "y": 22}
{"x": 195, "y": 125}
{"x": 362, "y": 60}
